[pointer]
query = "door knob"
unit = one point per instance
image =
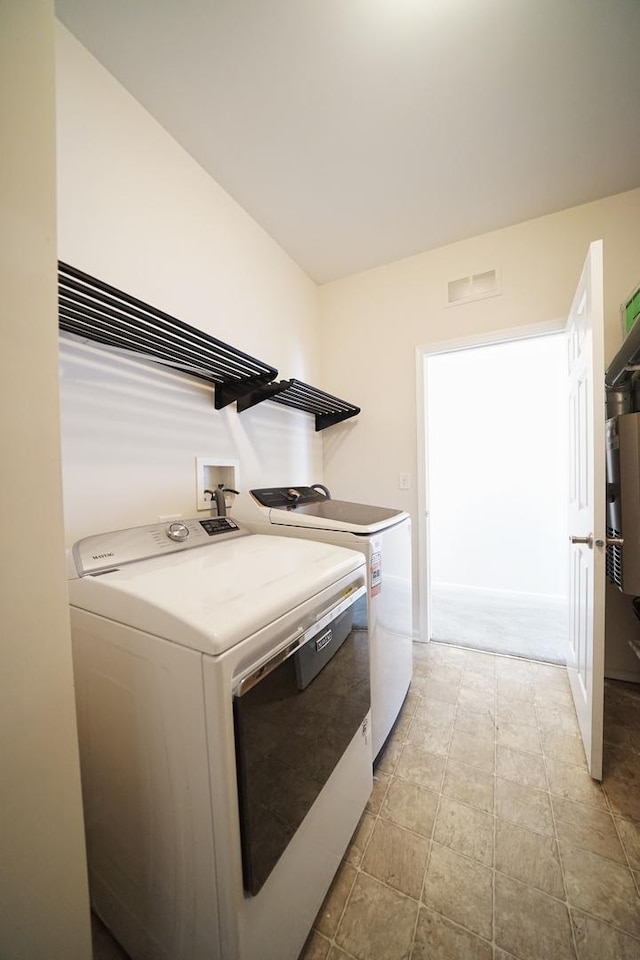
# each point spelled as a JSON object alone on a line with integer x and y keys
{"x": 588, "y": 540}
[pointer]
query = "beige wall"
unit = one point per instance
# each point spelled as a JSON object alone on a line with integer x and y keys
{"x": 136, "y": 210}
{"x": 44, "y": 909}
{"x": 372, "y": 323}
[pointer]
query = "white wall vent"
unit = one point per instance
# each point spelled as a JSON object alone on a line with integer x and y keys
{"x": 476, "y": 287}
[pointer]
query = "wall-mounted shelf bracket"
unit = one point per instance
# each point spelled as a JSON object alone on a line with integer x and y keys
{"x": 324, "y": 420}
{"x": 266, "y": 392}
{"x": 239, "y": 390}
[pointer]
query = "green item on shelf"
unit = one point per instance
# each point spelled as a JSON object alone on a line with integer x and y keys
{"x": 631, "y": 311}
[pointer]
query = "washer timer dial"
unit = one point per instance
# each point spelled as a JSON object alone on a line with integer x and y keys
{"x": 177, "y": 532}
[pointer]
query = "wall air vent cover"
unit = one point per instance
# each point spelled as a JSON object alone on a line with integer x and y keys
{"x": 476, "y": 287}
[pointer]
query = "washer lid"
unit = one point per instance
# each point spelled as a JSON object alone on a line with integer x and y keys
{"x": 213, "y": 597}
{"x": 339, "y": 515}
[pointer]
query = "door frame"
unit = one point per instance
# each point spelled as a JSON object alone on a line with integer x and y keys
{"x": 423, "y": 353}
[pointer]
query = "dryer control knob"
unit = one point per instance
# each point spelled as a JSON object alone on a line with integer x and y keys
{"x": 177, "y": 531}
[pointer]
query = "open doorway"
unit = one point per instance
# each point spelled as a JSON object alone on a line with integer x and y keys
{"x": 496, "y": 454}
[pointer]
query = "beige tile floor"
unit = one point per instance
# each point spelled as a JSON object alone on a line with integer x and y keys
{"x": 485, "y": 838}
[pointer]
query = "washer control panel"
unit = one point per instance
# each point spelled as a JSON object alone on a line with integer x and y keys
{"x": 108, "y": 551}
{"x": 214, "y": 526}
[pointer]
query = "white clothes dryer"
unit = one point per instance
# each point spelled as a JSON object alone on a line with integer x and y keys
{"x": 383, "y": 536}
{"x": 222, "y": 684}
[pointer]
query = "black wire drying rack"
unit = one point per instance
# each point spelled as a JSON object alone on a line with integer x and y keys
{"x": 327, "y": 409}
{"x": 96, "y": 311}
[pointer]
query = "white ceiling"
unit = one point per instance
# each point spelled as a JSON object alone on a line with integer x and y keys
{"x": 358, "y": 132}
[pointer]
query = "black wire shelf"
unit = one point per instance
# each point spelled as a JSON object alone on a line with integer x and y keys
{"x": 328, "y": 410}
{"x": 94, "y": 310}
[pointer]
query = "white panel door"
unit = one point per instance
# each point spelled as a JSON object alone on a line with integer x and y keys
{"x": 587, "y": 520}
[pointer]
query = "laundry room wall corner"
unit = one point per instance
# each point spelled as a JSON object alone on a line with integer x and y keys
{"x": 136, "y": 211}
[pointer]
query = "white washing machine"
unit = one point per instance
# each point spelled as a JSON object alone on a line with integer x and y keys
{"x": 383, "y": 535}
{"x": 222, "y": 683}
